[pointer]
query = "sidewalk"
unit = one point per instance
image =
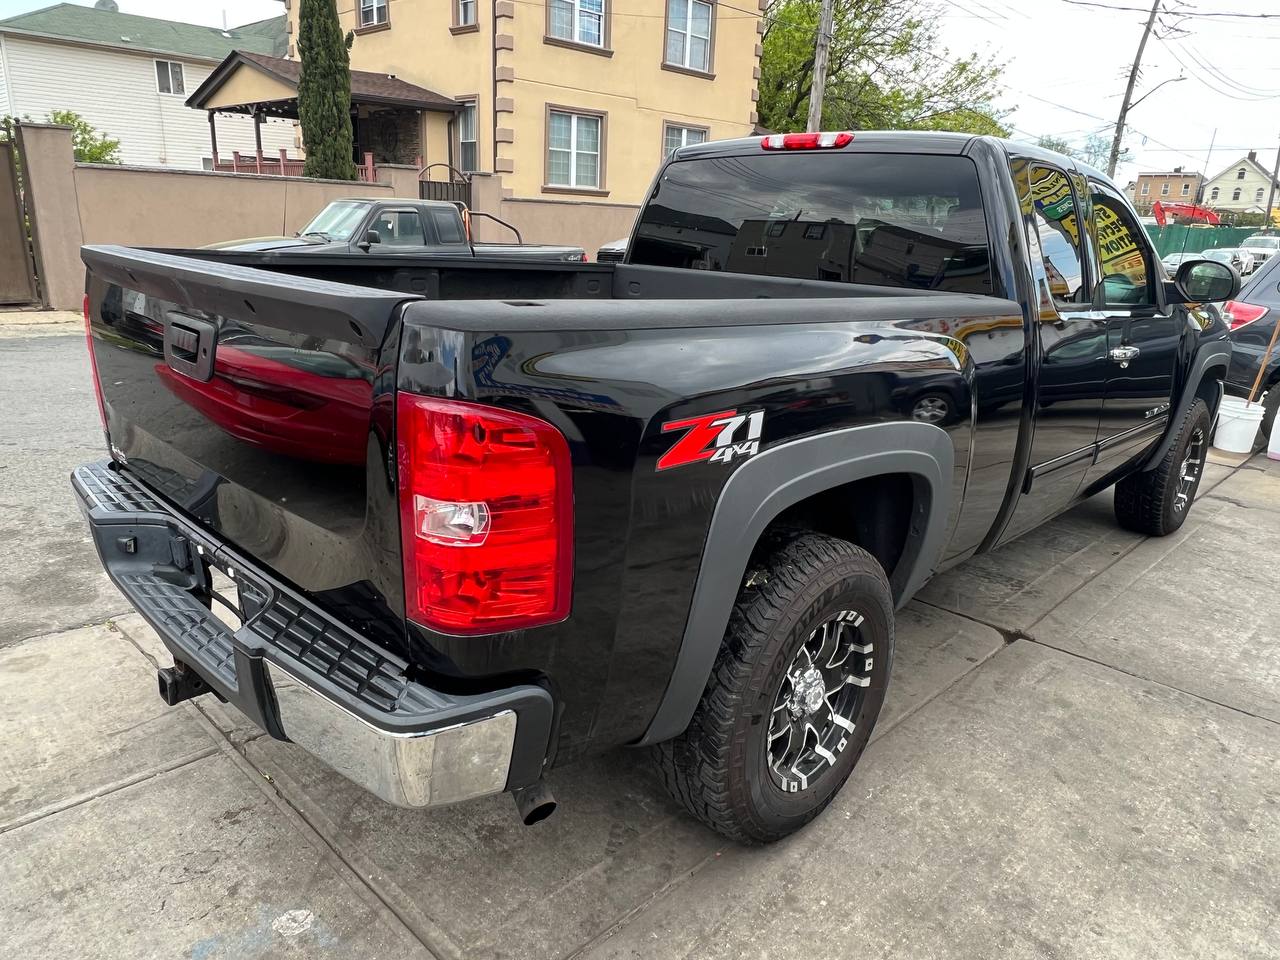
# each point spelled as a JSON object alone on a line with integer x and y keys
{"x": 39, "y": 323}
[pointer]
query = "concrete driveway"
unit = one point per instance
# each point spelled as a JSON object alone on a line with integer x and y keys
{"x": 1080, "y": 758}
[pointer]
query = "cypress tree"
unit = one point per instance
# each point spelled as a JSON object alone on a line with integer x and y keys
{"x": 324, "y": 92}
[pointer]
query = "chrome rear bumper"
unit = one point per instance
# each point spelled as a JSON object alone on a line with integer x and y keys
{"x": 303, "y": 676}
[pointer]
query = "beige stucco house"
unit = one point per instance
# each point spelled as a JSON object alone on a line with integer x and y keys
{"x": 561, "y": 110}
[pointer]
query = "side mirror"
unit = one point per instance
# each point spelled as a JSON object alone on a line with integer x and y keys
{"x": 1206, "y": 281}
{"x": 370, "y": 238}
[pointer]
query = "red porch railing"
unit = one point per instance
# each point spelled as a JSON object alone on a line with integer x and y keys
{"x": 283, "y": 165}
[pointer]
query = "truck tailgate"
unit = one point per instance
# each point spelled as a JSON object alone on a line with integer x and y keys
{"x": 260, "y": 405}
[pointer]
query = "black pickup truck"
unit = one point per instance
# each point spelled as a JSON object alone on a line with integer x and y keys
{"x": 482, "y": 519}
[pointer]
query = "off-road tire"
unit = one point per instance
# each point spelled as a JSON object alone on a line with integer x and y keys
{"x": 719, "y": 768}
{"x": 1149, "y": 501}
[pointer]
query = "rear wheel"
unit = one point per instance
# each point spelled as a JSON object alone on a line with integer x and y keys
{"x": 1156, "y": 501}
{"x": 794, "y": 694}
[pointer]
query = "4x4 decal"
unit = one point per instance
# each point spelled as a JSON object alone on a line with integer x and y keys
{"x": 713, "y": 437}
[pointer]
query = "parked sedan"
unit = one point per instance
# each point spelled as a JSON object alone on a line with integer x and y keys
{"x": 1238, "y": 257}
{"x": 1252, "y": 317}
{"x": 1173, "y": 261}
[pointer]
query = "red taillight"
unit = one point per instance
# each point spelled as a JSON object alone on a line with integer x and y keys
{"x": 806, "y": 141}
{"x": 93, "y": 364}
{"x": 486, "y": 517}
{"x": 1238, "y": 314}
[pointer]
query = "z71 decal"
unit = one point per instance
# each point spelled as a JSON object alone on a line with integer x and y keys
{"x": 715, "y": 437}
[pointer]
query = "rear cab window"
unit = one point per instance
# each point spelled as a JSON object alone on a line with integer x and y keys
{"x": 897, "y": 220}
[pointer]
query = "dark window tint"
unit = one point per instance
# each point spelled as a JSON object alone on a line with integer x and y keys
{"x": 888, "y": 219}
{"x": 448, "y": 225}
{"x": 1126, "y": 275}
{"x": 1057, "y": 223}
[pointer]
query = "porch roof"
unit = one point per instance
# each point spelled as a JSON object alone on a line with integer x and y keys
{"x": 255, "y": 83}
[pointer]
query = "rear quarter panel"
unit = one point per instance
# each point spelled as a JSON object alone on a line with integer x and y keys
{"x": 610, "y": 380}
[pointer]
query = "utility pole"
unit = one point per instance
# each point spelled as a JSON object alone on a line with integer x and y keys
{"x": 1128, "y": 92}
{"x": 826, "y": 24}
{"x": 1271, "y": 196}
{"x": 1208, "y": 165}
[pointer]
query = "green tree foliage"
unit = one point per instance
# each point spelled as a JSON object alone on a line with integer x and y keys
{"x": 887, "y": 71}
{"x": 324, "y": 92}
{"x": 1056, "y": 144}
{"x": 90, "y": 146}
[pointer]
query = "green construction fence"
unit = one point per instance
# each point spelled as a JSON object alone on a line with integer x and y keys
{"x": 1180, "y": 238}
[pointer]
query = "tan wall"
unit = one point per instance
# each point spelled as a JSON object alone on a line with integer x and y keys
{"x": 630, "y": 84}
{"x": 73, "y": 204}
{"x": 171, "y": 208}
{"x": 403, "y": 180}
{"x": 586, "y": 224}
{"x": 48, "y": 165}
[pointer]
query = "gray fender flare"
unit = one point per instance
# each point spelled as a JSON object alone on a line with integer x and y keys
{"x": 764, "y": 486}
{"x": 1212, "y": 355}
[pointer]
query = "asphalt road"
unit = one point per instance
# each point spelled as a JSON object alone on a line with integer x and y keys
{"x": 1080, "y": 757}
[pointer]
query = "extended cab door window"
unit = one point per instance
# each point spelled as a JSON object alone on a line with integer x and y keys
{"x": 1142, "y": 336}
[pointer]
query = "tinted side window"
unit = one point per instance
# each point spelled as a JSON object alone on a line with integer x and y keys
{"x": 1057, "y": 223}
{"x": 1126, "y": 274}
{"x": 448, "y": 225}
{"x": 898, "y": 220}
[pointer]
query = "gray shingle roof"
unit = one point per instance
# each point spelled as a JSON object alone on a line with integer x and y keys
{"x": 130, "y": 32}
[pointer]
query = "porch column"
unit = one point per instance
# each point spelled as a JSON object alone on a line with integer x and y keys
{"x": 257, "y": 135}
{"x": 213, "y": 138}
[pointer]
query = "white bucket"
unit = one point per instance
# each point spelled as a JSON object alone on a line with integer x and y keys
{"x": 1238, "y": 423}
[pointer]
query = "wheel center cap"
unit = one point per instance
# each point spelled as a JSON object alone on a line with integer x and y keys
{"x": 808, "y": 693}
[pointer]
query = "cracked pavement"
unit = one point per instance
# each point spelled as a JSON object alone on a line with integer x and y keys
{"x": 1079, "y": 758}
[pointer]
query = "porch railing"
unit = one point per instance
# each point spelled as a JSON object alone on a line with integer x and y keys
{"x": 283, "y": 165}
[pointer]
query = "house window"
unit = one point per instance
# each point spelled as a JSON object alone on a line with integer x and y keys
{"x": 373, "y": 13}
{"x": 689, "y": 35}
{"x": 1213, "y": 194}
{"x": 468, "y": 144}
{"x": 574, "y": 142}
{"x": 675, "y": 136}
{"x": 465, "y": 13}
{"x": 1258, "y": 195}
{"x": 1164, "y": 189}
{"x": 1235, "y": 194}
{"x": 169, "y": 78}
{"x": 1240, "y": 174}
{"x": 578, "y": 21}
{"x": 1186, "y": 189}
{"x": 1146, "y": 187}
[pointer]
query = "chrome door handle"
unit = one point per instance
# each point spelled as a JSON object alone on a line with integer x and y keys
{"x": 1122, "y": 355}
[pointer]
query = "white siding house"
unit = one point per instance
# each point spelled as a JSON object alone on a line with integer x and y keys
{"x": 121, "y": 91}
{"x": 1245, "y": 186}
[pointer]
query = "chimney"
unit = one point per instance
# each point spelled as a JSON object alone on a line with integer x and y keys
{"x": 1253, "y": 155}
{"x": 1177, "y": 169}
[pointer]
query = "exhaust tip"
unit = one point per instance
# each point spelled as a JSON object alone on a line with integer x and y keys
{"x": 534, "y": 803}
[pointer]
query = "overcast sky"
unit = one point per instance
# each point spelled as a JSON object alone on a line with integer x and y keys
{"x": 1067, "y": 65}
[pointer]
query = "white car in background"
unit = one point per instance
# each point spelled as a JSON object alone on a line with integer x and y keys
{"x": 1238, "y": 257}
{"x": 1261, "y": 246}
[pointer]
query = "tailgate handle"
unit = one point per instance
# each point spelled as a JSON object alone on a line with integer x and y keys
{"x": 189, "y": 345}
